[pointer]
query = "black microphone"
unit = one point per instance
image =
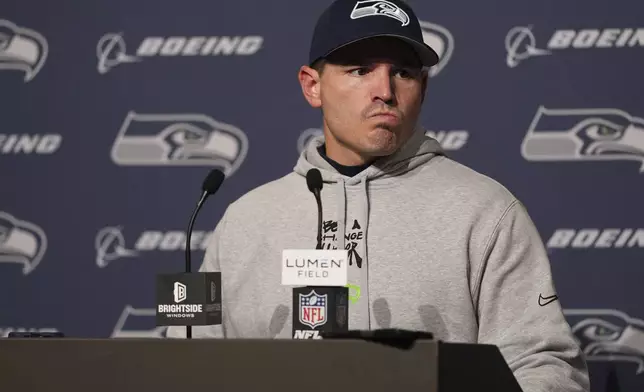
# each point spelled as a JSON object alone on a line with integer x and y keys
{"x": 191, "y": 298}
{"x": 210, "y": 185}
{"x": 314, "y": 182}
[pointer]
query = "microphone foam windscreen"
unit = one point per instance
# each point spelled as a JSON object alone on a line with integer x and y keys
{"x": 213, "y": 181}
{"x": 314, "y": 180}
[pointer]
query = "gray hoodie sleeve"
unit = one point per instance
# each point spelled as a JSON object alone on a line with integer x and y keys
{"x": 531, "y": 333}
{"x": 211, "y": 263}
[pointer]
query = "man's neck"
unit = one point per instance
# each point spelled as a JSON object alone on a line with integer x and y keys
{"x": 344, "y": 156}
{"x": 347, "y": 170}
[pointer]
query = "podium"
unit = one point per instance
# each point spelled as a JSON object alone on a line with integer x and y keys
{"x": 237, "y": 365}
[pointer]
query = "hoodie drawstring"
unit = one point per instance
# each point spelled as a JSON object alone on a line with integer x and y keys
{"x": 365, "y": 257}
{"x": 342, "y": 212}
{"x": 365, "y": 219}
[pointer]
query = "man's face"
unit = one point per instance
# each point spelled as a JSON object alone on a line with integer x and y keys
{"x": 371, "y": 94}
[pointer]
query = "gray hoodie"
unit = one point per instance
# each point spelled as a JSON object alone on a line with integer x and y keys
{"x": 433, "y": 246}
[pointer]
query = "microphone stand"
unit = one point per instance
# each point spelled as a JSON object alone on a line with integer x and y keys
{"x": 204, "y": 195}
{"x": 316, "y": 192}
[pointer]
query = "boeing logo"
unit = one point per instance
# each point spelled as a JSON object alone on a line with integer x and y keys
{"x": 594, "y": 238}
{"x": 520, "y": 42}
{"x": 37, "y": 144}
{"x": 110, "y": 244}
{"x": 111, "y": 49}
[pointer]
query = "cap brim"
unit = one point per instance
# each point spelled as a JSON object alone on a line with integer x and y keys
{"x": 428, "y": 56}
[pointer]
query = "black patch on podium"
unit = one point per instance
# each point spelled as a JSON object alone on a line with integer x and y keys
{"x": 189, "y": 299}
{"x": 319, "y": 309}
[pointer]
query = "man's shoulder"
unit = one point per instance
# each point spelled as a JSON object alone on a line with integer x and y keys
{"x": 466, "y": 182}
{"x": 264, "y": 195}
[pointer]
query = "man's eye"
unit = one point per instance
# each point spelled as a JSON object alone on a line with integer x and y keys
{"x": 359, "y": 71}
{"x": 405, "y": 74}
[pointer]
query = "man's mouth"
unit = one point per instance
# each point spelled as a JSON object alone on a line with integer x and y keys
{"x": 387, "y": 117}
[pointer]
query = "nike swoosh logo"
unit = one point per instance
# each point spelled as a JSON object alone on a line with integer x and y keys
{"x": 543, "y": 301}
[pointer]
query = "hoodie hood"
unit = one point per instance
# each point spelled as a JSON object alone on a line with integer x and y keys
{"x": 418, "y": 150}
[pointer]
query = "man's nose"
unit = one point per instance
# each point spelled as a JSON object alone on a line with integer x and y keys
{"x": 383, "y": 86}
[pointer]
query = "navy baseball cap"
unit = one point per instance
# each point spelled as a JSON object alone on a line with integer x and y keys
{"x": 349, "y": 21}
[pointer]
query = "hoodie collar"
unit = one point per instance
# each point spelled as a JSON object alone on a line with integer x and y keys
{"x": 417, "y": 150}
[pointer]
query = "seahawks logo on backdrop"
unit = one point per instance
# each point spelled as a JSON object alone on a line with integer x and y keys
{"x": 379, "y": 8}
{"x": 21, "y": 49}
{"x": 608, "y": 335}
{"x": 179, "y": 140}
{"x": 441, "y": 40}
{"x": 21, "y": 242}
{"x": 584, "y": 135}
{"x": 138, "y": 323}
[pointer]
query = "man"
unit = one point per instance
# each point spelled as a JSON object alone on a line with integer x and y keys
{"x": 433, "y": 245}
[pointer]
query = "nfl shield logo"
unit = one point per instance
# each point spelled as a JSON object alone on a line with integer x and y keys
{"x": 313, "y": 309}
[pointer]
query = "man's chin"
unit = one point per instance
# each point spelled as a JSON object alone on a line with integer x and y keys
{"x": 382, "y": 131}
{"x": 379, "y": 149}
{"x": 380, "y": 140}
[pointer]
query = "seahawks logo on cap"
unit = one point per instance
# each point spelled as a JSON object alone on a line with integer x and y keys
{"x": 383, "y": 8}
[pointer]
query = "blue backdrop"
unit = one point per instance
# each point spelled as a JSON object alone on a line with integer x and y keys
{"x": 112, "y": 112}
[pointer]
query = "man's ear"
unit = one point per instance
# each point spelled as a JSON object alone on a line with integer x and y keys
{"x": 310, "y": 83}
